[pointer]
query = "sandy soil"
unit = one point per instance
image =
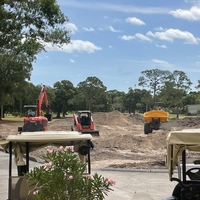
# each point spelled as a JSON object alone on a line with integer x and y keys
{"x": 122, "y": 142}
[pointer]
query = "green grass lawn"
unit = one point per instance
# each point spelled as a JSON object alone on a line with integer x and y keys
{"x": 12, "y": 118}
{"x": 18, "y": 119}
{"x": 174, "y": 115}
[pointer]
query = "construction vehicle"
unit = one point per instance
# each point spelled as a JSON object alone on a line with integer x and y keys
{"x": 34, "y": 121}
{"x": 83, "y": 122}
{"x": 181, "y": 144}
{"x": 154, "y": 118}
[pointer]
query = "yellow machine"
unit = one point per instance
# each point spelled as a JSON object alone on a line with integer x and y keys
{"x": 153, "y": 120}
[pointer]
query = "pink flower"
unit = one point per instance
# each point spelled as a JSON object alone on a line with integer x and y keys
{"x": 69, "y": 147}
{"x": 49, "y": 151}
{"x": 48, "y": 164}
{"x": 61, "y": 148}
{"x": 89, "y": 176}
{"x": 35, "y": 192}
{"x": 70, "y": 177}
{"x": 111, "y": 181}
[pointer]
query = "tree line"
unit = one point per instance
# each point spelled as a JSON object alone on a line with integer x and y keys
{"x": 171, "y": 88}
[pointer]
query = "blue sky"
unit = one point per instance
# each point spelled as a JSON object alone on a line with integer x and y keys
{"x": 116, "y": 40}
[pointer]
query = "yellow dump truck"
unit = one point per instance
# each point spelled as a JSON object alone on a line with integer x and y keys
{"x": 153, "y": 120}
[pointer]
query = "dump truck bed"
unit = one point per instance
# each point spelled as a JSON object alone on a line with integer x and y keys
{"x": 156, "y": 115}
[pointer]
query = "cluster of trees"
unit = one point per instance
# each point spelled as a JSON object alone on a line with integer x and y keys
{"x": 173, "y": 89}
{"x": 25, "y": 28}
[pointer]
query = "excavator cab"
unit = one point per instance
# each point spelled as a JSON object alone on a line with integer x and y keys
{"x": 30, "y": 110}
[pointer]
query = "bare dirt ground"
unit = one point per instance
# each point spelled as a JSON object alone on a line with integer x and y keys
{"x": 122, "y": 142}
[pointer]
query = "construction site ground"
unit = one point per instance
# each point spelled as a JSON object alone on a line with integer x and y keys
{"x": 122, "y": 142}
{"x": 122, "y": 152}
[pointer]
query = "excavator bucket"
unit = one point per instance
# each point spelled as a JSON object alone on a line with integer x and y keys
{"x": 48, "y": 116}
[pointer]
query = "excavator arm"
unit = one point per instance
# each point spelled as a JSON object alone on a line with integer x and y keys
{"x": 43, "y": 96}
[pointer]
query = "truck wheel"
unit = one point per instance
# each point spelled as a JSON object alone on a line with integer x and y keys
{"x": 146, "y": 128}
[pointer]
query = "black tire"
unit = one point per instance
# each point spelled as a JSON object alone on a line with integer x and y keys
{"x": 146, "y": 128}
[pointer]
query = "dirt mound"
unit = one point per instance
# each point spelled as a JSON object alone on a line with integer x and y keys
{"x": 189, "y": 122}
{"x": 116, "y": 118}
{"x": 136, "y": 118}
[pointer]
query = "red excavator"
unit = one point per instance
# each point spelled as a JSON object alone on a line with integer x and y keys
{"x": 83, "y": 122}
{"x": 34, "y": 121}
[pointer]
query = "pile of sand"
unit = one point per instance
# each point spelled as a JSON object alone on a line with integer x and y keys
{"x": 116, "y": 118}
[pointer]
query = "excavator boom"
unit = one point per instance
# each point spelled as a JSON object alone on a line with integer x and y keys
{"x": 43, "y": 96}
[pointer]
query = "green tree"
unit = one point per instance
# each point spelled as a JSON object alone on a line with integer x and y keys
{"x": 25, "y": 28}
{"x": 146, "y": 100}
{"x": 154, "y": 80}
{"x": 192, "y": 98}
{"x": 93, "y": 94}
{"x": 175, "y": 90}
{"x": 116, "y": 99}
{"x": 130, "y": 101}
{"x": 64, "y": 92}
{"x": 137, "y": 99}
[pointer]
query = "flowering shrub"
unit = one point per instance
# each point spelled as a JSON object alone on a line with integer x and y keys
{"x": 63, "y": 177}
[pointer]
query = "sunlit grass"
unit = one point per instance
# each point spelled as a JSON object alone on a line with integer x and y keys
{"x": 12, "y": 118}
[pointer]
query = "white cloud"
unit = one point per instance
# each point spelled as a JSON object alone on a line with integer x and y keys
{"x": 135, "y": 21}
{"x": 192, "y": 15}
{"x": 194, "y": 2}
{"x": 142, "y": 37}
{"x": 136, "y": 36}
{"x": 75, "y": 45}
{"x": 113, "y": 30}
{"x": 159, "y": 28}
{"x": 116, "y": 20}
{"x": 172, "y": 34}
{"x": 161, "y": 46}
{"x": 127, "y": 37}
{"x": 113, "y": 7}
{"x": 71, "y": 27}
{"x": 71, "y": 60}
{"x": 110, "y": 46}
{"x": 162, "y": 63}
{"x": 88, "y": 29}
